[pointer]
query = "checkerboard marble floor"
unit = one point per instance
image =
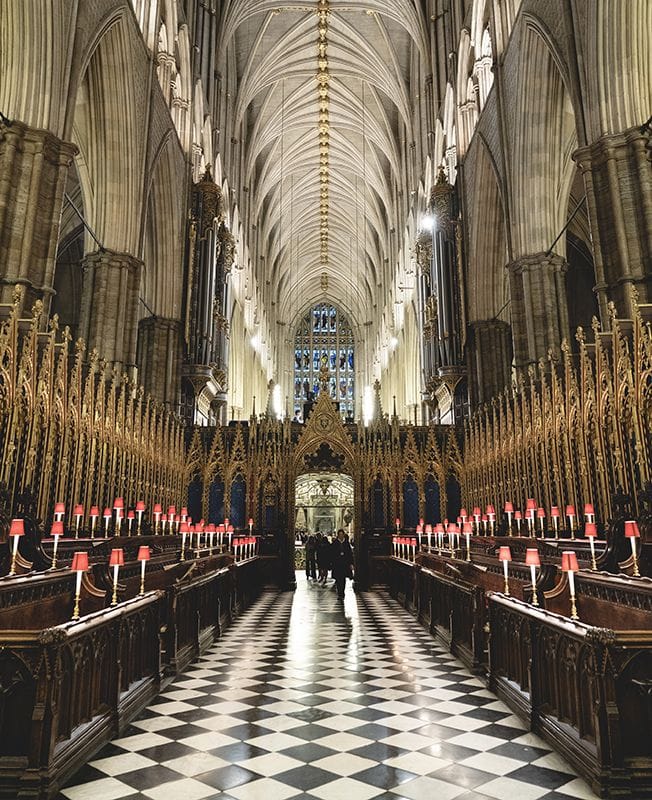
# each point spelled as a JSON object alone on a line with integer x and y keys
{"x": 307, "y": 698}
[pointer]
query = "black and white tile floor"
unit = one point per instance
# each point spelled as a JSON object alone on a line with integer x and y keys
{"x": 305, "y": 698}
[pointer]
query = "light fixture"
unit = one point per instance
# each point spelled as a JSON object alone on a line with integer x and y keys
{"x": 428, "y": 222}
{"x": 367, "y": 405}
{"x": 255, "y": 342}
{"x": 277, "y": 402}
{"x": 393, "y": 342}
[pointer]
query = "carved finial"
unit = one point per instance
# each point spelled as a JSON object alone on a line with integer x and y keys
{"x": 37, "y": 309}
{"x": 579, "y": 335}
{"x": 17, "y": 295}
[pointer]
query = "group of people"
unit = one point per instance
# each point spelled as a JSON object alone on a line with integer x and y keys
{"x": 323, "y": 555}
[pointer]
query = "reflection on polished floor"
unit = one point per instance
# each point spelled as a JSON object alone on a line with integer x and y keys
{"x": 305, "y": 698}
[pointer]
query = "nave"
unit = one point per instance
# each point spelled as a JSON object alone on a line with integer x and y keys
{"x": 305, "y": 698}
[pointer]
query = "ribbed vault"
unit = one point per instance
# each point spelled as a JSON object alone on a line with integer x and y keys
{"x": 270, "y": 56}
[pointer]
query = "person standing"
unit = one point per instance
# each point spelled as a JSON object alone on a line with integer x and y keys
{"x": 341, "y": 562}
{"x": 323, "y": 557}
{"x": 311, "y": 557}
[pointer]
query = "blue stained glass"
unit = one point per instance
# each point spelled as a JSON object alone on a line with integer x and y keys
{"x": 324, "y": 339}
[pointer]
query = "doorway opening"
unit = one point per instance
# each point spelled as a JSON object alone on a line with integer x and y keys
{"x": 324, "y": 502}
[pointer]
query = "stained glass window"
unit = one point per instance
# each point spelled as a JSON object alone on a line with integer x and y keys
{"x": 324, "y": 337}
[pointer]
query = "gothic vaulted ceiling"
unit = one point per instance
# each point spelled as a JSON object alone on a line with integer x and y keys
{"x": 320, "y": 102}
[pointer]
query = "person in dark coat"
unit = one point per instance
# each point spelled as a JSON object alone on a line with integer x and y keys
{"x": 311, "y": 557}
{"x": 341, "y": 562}
{"x": 323, "y": 557}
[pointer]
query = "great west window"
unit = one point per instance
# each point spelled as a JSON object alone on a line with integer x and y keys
{"x": 324, "y": 337}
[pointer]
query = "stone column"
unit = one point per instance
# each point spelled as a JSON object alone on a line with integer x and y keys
{"x": 489, "y": 359}
{"x": 538, "y": 305}
{"x": 159, "y": 359}
{"x": 109, "y": 312}
{"x": 618, "y": 181}
{"x": 33, "y": 170}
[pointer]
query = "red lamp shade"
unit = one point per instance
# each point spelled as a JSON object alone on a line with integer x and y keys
{"x": 490, "y": 510}
{"x": 164, "y": 517}
{"x": 459, "y": 520}
{"x": 570, "y": 511}
{"x": 119, "y": 503}
{"x": 221, "y": 528}
{"x": 485, "y": 518}
{"x": 631, "y": 529}
{"x": 131, "y": 515}
{"x": 59, "y": 508}
{"x": 56, "y": 529}
{"x": 107, "y": 512}
{"x": 172, "y": 510}
{"x": 397, "y": 522}
{"x": 17, "y": 527}
{"x": 144, "y": 553}
{"x": 413, "y": 542}
{"x": 509, "y": 507}
{"x": 157, "y": 508}
{"x": 588, "y": 509}
{"x": 184, "y": 527}
{"x": 140, "y": 505}
{"x": 569, "y": 561}
{"x": 541, "y": 513}
{"x": 117, "y": 558}
{"x": 468, "y": 528}
{"x": 419, "y": 529}
{"x": 421, "y": 520}
{"x": 554, "y": 512}
{"x": 504, "y": 554}
{"x": 477, "y": 511}
{"x": 591, "y": 530}
{"x": 184, "y": 512}
{"x": 439, "y": 528}
{"x": 531, "y": 504}
{"x": 78, "y": 511}
{"x": 428, "y": 529}
{"x": 229, "y": 529}
{"x": 518, "y": 515}
{"x": 95, "y": 511}
{"x": 463, "y": 512}
{"x": 80, "y": 562}
{"x": 532, "y": 557}
{"x": 226, "y": 523}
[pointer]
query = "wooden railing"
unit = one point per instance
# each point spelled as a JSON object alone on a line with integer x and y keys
{"x": 586, "y": 689}
{"x": 69, "y": 688}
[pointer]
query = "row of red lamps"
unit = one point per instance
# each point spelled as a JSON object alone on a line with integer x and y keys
{"x": 246, "y": 545}
{"x": 169, "y": 523}
{"x": 533, "y": 512}
{"x": 116, "y": 560}
{"x": 569, "y": 565}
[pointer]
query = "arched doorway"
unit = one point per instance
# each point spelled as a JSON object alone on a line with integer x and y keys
{"x": 324, "y": 502}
